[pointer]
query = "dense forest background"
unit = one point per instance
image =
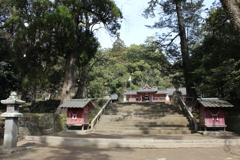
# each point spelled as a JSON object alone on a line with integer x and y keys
{"x": 51, "y": 47}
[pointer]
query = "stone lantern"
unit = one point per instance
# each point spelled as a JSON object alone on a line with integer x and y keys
{"x": 106, "y": 94}
{"x": 106, "y": 87}
{"x": 11, "y": 120}
{"x": 176, "y": 84}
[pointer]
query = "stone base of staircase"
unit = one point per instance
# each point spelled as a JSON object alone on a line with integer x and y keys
{"x": 218, "y": 133}
{"x": 174, "y": 141}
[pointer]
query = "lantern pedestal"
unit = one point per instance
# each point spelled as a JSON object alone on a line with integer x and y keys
{"x": 11, "y": 120}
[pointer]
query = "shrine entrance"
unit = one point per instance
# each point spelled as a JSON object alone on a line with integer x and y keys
{"x": 146, "y": 98}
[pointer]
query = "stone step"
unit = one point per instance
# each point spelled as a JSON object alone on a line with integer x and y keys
{"x": 145, "y": 107}
{"x": 144, "y": 112}
{"x": 114, "y": 124}
{"x": 160, "y": 116}
{"x": 144, "y": 115}
{"x": 166, "y": 123}
{"x": 165, "y": 141}
{"x": 142, "y": 119}
{"x": 145, "y": 104}
{"x": 147, "y": 120}
{"x": 103, "y": 126}
{"x": 141, "y": 128}
{"x": 140, "y": 125}
{"x": 142, "y": 131}
{"x": 137, "y": 122}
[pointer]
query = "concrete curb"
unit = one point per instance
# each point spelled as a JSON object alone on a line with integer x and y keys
{"x": 13, "y": 150}
{"x": 132, "y": 143}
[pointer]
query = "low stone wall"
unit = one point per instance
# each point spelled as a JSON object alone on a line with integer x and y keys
{"x": 41, "y": 124}
{"x": 233, "y": 123}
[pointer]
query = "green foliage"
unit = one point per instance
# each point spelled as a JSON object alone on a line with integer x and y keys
{"x": 216, "y": 60}
{"x": 233, "y": 123}
{"x": 37, "y": 36}
{"x": 43, "y": 33}
{"x": 144, "y": 65}
{"x": 168, "y": 19}
{"x": 180, "y": 18}
{"x": 117, "y": 49}
{"x": 9, "y": 74}
{"x": 101, "y": 102}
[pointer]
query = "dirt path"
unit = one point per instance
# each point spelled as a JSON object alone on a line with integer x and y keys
{"x": 42, "y": 152}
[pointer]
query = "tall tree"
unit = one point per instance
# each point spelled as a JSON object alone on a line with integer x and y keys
{"x": 87, "y": 13}
{"x": 184, "y": 50}
{"x": 216, "y": 59}
{"x": 46, "y": 36}
{"x": 232, "y": 7}
{"x": 176, "y": 15}
{"x": 45, "y": 32}
{"x": 9, "y": 74}
{"x": 118, "y": 48}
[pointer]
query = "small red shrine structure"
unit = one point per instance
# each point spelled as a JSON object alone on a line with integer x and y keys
{"x": 152, "y": 94}
{"x": 211, "y": 112}
{"x": 78, "y": 112}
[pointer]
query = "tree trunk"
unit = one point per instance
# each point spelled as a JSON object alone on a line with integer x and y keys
{"x": 69, "y": 84}
{"x": 68, "y": 89}
{"x": 232, "y": 8}
{"x": 184, "y": 49}
{"x": 82, "y": 82}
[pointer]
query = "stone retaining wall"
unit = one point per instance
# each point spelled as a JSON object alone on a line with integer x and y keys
{"x": 38, "y": 124}
{"x": 41, "y": 124}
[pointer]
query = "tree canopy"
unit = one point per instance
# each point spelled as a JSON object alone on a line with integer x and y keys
{"x": 216, "y": 59}
{"x": 51, "y": 46}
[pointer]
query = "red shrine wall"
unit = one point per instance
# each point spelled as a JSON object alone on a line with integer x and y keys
{"x": 214, "y": 117}
{"x": 77, "y": 116}
{"x": 159, "y": 97}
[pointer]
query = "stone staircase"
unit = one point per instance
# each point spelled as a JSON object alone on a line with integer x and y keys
{"x": 137, "y": 125}
{"x": 143, "y": 118}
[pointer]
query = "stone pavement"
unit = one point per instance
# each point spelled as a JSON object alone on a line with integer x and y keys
{"x": 106, "y": 140}
{"x": 51, "y": 150}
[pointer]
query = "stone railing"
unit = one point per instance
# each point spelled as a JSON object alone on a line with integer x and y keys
{"x": 188, "y": 113}
{"x": 100, "y": 113}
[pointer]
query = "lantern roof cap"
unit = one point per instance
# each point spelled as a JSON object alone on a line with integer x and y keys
{"x": 13, "y": 99}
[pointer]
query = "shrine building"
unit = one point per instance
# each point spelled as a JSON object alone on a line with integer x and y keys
{"x": 151, "y": 94}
